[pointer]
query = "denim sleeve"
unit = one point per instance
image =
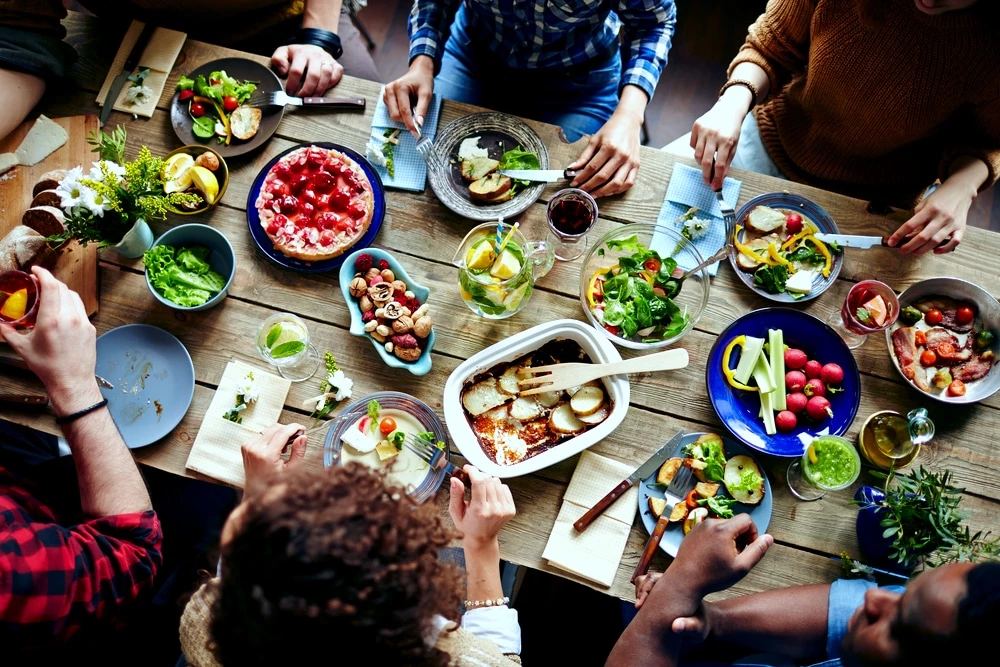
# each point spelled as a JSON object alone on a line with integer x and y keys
{"x": 846, "y": 595}
{"x": 649, "y": 27}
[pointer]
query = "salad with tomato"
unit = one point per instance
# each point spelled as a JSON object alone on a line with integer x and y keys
{"x": 216, "y": 104}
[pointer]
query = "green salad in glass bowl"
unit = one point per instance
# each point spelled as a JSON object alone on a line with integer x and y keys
{"x": 630, "y": 290}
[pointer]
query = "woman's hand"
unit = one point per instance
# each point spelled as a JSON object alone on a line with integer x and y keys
{"x": 417, "y": 84}
{"x": 610, "y": 162}
{"x": 262, "y": 455}
{"x": 939, "y": 216}
{"x": 715, "y": 135}
{"x": 481, "y": 518}
{"x": 309, "y": 68}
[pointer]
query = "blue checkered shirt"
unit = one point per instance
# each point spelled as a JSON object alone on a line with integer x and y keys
{"x": 555, "y": 34}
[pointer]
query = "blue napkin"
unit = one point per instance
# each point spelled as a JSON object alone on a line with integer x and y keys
{"x": 410, "y": 170}
{"x": 687, "y": 189}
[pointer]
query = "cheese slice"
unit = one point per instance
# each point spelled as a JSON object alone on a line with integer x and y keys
{"x": 44, "y": 138}
{"x": 7, "y": 162}
{"x": 801, "y": 282}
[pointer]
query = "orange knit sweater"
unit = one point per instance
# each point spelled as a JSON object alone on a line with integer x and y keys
{"x": 876, "y": 110}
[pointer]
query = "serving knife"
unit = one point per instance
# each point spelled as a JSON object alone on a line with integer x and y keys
{"x": 861, "y": 242}
{"x": 130, "y": 64}
{"x": 539, "y": 175}
{"x": 651, "y": 465}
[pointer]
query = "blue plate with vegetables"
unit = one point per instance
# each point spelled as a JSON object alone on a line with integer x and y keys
{"x": 778, "y": 377}
{"x": 726, "y": 481}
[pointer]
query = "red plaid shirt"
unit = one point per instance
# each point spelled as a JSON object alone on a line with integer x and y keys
{"x": 56, "y": 579}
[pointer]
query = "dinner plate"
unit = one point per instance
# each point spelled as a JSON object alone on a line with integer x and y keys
{"x": 739, "y": 409}
{"x": 674, "y": 534}
{"x": 810, "y": 210}
{"x": 263, "y": 241}
{"x": 243, "y": 70}
{"x": 498, "y": 132}
{"x": 153, "y": 378}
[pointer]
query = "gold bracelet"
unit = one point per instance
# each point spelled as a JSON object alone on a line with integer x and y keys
{"x": 741, "y": 82}
{"x": 475, "y": 604}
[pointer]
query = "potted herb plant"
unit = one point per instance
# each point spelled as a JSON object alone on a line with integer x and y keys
{"x": 914, "y": 521}
{"x": 112, "y": 203}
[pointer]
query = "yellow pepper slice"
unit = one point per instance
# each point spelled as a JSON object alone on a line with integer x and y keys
{"x": 772, "y": 251}
{"x": 730, "y": 372}
{"x": 795, "y": 239}
{"x": 823, "y": 250}
{"x": 746, "y": 250}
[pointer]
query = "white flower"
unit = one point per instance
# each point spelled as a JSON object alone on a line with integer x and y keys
{"x": 93, "y": 202}
{"x": 696, "y": 227}
{"x": 138, "y": 94}
{"x": 342, "y": 384}
{"x": 373, "y": 151}
{"x": 70, "y": 190}
{"x": 248, "y": 390}
{"x": 113, "y": 168}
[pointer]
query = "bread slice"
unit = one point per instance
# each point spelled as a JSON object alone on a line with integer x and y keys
{"x": 23, "y": 248}
{"x": 491, "y": 188}
{"x": 746, "y": 263}
{"x": 478, "y": 167}
{"x": 765, "y": 219}
{"x": 46, "y": 220}
{"x": 47, "y": 198}
{"x": 245, "y": 121}
{"x": 48, "y": 181}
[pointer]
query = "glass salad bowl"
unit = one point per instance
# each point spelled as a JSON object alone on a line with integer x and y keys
{"x": 637, "y": 310}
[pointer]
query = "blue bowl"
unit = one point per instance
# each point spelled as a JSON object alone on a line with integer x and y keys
{"x": 222, "y": 258}
{"x": 422, "y": 365}
{"x": 739, "y": 410}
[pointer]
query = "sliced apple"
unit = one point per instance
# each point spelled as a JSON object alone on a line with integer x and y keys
{"x": 563, "y": 420}
{"x": 657, "y": 506}
{"x": 587, "y": 401}
{"x": 596, "y": 418}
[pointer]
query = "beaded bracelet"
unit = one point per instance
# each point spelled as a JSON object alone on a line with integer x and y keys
{"x": 498, "y": 602}
{"x": 741, "y": 82}
{"x": 65, "y": 419}
{"x": 324, "y": 39}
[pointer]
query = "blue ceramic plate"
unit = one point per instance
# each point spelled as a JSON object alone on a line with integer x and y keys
{"x": 739, "y": 410}
{"x": 809, "y": 210}
{"x": 423, "y": 364}
{"x": 267, "y": 247}
{"x": 153, "y": 378}
{"x": 674, "y": 535}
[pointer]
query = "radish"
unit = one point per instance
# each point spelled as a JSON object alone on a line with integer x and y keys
{"x": 818, "y": 408}
{"x": 796, "y": 402}
{"x": 832, "y": 374}
{"x": 813, "y": 369}
{"x": 786, "y": 420}
{"x": 795, "y": 359}
{"x": 795, "y": 381}
{"x": 364, "y": 423}
{"x": 814, "y": 387}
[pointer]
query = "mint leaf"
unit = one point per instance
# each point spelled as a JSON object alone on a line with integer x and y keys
{"x": 289, "y": 349}
{"x": 864, "y": 315}
{"x": 272, "y": 336}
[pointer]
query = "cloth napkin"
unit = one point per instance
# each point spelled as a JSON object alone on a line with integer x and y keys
{"x": 595, "y": 553}
{"x": 687, "y": 189}
{"x": 410, "y": 171}
{"x": 216, "y": 449}
{"x": 158, "y": 56}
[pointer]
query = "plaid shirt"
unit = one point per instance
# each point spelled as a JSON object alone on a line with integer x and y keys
{"x": 55, "y": 580}
{"x": 555, "y": 34}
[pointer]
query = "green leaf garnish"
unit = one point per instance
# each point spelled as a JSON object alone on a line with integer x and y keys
{"x": 289, "y": 349}
{"x": 272, "y": 336}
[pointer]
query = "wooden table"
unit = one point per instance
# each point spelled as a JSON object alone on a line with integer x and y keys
{"x": 423, "y": 234}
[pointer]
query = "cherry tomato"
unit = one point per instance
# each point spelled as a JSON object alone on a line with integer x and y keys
{"x": 659, "y": 291}
{"x": 793, "y": 223}
{"x": 229, "y": 103}
{"x": 691, "y": 499}
{"x": 946, "y": 350}
{"x": 197, "y": 109}
{"x": 956, "y": 388}
{"x": 934, "y": 317}
{"x": 185, "y": 95}
{"x": 612, "y": 330}
{"x": 964, "y": 315}
{"x": 387, "y": 425}
{"x": 919, "y": 337}
{"x": 652, "y": 264}
{"x": 214, "y": 82}
{"x": 928, "y": 358}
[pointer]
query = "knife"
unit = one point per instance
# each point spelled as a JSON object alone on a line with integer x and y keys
{"x": 23, "y": 399}
{"x": 651, "y": 545}
{"x": 651, "y": 465}
{"x": 281, "y": 98}
{"x": 20, "y": 364}
{"x": 539, "y": 175}
{"x": 130, "y": 64}
{"x": 862, "y": 242}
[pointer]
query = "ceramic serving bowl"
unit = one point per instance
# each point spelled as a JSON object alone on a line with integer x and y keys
{"x": 422, "y": 365}
{"x": 597, "y": 347}
{"x": 221, "y": 175}
{"x": 222, "y": 258}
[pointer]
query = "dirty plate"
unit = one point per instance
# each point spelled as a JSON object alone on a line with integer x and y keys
{"x": 153, "y": 378}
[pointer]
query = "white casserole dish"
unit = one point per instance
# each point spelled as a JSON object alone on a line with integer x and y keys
{"x": 597, "y": 347}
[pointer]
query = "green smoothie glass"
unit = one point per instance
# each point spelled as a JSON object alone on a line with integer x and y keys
{"x": 829, "y": 463}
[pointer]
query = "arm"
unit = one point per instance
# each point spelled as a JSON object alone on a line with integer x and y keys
{"x": 310, "y": 69}
{"x": 23, "y": 91}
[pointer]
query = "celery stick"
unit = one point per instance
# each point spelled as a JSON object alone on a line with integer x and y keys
{"x": 777, "y": 345}
{"x": 762, "y": 374}
{"x": 767, "y": 405}
{"x": 748, "y": 359}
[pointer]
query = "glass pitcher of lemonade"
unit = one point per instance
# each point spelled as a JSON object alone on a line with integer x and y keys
{"x": 498, "y": 267}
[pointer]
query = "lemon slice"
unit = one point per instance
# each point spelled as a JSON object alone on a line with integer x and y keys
{"x": 506, "y": 266}
{"x": 177, "y": 173}
{"x": 481, "y": 255}
{"x": 812, "y": 455}
{"x": 206, "y": 183}
{"x": 15, "y": 305}
{"x": 513, "y": 299}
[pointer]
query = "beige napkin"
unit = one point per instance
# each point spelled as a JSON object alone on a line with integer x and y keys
{"x": 216, "y": 449}
{"x": 159, "y": 56}
{"x": 595, "y": 553}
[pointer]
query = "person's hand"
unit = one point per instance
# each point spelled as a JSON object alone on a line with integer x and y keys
{"x": 610, "y": 162}
{"x": 718, "y": 553}
{"x": 940, "y": 215}
{"x": 61, "y": 350}
{"x": 480, "y": 519}
{"x": 309, "y": 68}
{"x": 715, "y": 135}
{"x": 643, "y": 585}
{"x": 695, "y": 629}
{"x": 417, "y": 84}
{"x": 262, "y": 455}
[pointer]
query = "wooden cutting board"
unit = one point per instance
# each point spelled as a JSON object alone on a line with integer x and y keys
{"x": 76, "y": 266}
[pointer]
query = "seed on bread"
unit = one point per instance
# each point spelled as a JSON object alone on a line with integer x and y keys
{"x": 491, "y": 187}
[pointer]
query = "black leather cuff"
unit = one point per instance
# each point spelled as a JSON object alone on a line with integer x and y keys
{"x": 326, "y": 40}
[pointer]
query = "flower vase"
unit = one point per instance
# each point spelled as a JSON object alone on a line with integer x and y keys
{"x": 875, "y": 546}
{"x": 136, "y": 241}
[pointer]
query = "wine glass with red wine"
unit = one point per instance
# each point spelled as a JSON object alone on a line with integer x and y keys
{"x": 870, "y": 306}
{"x": 571, "y": 214}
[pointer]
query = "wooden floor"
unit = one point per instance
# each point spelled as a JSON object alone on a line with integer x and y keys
{"x": 707, "y": 37}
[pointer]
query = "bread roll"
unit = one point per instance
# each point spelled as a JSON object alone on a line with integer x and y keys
{"x": 46, "y": 220}
{"x": 23, "y": 248}
{"x": 47, "y": 198}
{"x": 48, "y": 181}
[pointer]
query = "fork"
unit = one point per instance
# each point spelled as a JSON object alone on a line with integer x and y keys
{"x": 424, "y": 145}
{"x": 674, "y": 494}
{"x": 434, "y": 456}
{"x": 280, "y": 98}
{"x": 563, "y": 376}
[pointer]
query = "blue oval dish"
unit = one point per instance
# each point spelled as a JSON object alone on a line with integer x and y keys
{"x": 261, "y": 238}
{"x": 739, "y": 410}
{"x": 421, "y": 366}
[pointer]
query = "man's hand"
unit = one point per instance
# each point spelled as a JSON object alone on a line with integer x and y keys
{"x": 718, "y": 553}
{"x": 610, "y": 162}
{"x": 480, "y": 519}
{"x": 262, "y": 455}
{"x": 643, "y": 585}
{"x": 309, "y": 68}
{"x": 715, "y": 135}
{"x": 61, "y": 349}
{"x": 417, "y": 84}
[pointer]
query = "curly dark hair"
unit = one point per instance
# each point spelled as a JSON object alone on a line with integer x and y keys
{"x": 333, "y": 559}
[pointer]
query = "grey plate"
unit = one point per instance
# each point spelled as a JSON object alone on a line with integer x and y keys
{"x": 988, "y": 316}
{"x": 153, "y": 377}
{"x": 453, "y": 191}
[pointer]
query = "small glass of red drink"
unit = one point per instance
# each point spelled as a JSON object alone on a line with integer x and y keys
{"x": 18, "y": 299}
{"x": 870, "y": 306}
{"x": 571, "y": 214}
